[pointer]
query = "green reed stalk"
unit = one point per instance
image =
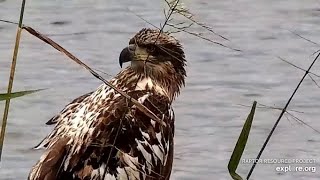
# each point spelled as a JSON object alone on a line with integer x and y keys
{"x": 10, "y": 84}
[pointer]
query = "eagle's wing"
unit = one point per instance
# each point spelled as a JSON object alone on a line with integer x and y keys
{"x": 68, "y": 109}
{"x": 107, "y": 137}
{"x": 62, "y": 117}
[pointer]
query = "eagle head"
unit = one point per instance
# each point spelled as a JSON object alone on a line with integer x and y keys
{"x": 156, "y": 55}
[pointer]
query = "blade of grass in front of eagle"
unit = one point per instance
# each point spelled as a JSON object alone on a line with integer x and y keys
{"x": 241, "y": 144}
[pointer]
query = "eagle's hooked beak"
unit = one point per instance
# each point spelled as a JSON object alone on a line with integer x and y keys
{"x": 127, "y": 54}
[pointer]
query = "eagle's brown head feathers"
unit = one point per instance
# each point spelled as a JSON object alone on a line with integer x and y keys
{"x": 159, "y": 56}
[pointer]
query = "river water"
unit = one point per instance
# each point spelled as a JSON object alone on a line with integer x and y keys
{"x": 221, "y": 83}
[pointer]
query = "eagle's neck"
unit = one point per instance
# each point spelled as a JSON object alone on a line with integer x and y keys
{"x": 167, "y": 85}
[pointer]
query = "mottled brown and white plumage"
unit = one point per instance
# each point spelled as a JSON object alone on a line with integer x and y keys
{"x": 103, "y": 136}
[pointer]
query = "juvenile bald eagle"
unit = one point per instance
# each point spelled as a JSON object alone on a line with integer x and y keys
{"x": 103, "y": 136}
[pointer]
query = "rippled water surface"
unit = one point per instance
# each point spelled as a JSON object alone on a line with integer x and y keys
{"x": 209, "y": 111}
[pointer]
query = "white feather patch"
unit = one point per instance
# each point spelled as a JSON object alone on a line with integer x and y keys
{"x": 153, "y": 123}
{"x": 110, "y": 177}
{"x": 158, "y": 135}
{"x": 145, "y": 135}
{"x": 148, "y": 83}
{"x": 158, "y": 152}
{"x": 132, "y": 162}
{"x": 143, "y": 98}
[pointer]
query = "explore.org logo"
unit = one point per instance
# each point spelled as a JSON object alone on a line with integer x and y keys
{"x": 290, "y": 168}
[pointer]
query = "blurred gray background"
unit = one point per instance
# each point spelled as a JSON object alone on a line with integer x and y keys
{"x": 209, "y": 111}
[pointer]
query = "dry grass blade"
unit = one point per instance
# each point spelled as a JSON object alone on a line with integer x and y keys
{"x": 201, "y": 37}
{"x": 187, "y": 14}
{"x": 277, "y": 108}
{"x": 282, "y": 59}
{"x": 315, "y": 52}
{"x": 314, "y": 81}
{"x": 176, "y": 8}
{"x": 189, "y": 21}
{"x": 302, "y": 122}
{"x": 103, "y": 72}
{"x": 11, "y": 78}
{"x": 75, "y": 59}
{"x": 140, "y": 17}
{"x": 304, "y": 38}
{"x": 10, "y": 22}
{"x": 262, "y": 106}
{"x": 287, "y": 112}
